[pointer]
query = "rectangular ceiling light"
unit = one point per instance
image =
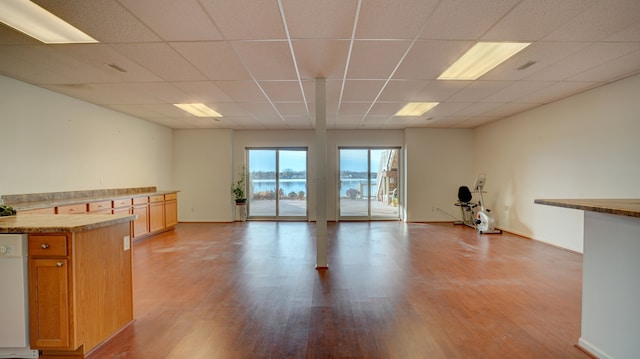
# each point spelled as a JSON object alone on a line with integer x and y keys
{"x": 481, "y": 58}
{"x": 198, "y": 109}
{"x": 416, "y": 108}
{"x": 31, "y": 19}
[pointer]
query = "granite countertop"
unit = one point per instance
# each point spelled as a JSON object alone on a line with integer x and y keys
{"x": 54, "y": 223}
{"x": 84, "y": 197}
{"x": 622, "y": 206}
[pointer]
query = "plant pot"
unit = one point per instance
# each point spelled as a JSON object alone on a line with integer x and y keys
{"x": 241, "y": 201}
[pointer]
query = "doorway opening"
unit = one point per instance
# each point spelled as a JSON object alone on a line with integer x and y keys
{"x": 369, "y": 183}
{"x": 277, "y": 183}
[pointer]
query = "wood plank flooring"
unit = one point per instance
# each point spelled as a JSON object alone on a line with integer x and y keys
{"x": 393, "y": 290}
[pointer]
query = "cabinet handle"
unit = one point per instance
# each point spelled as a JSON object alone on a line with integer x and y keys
{"x": 44, "y": 246}
{"x": 59, "y": 264}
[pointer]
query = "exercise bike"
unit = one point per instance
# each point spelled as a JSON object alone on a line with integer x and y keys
{"x": 475, "y": 215}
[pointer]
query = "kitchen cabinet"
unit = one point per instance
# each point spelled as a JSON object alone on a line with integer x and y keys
{"x": 72, "y": 209}
{"x": 80, "y": 285}
{"x": 170, "y": 210}
{"x": 100, "y": 207}
{"x": 156, "y": 213}
{"x": 141, "y": 224}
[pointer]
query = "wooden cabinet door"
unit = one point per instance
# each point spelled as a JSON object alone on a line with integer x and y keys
{"x": 171, "y": 213}
{"x": 156, "y": 216}
{"x": 141, "y": 224}
{"x": 50, "y": 321}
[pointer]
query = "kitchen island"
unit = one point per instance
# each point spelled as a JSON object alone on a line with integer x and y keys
{"x": 611, "y": 275}
{"x": 80, "y": 279}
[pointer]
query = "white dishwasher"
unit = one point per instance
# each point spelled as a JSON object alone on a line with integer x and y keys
{"x": 14, "y": 297}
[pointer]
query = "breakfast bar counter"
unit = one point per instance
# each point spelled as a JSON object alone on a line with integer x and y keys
{"x": 611, "y": 275}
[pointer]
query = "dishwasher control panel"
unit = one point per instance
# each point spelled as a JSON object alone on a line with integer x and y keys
{"x": 13, "y": 245}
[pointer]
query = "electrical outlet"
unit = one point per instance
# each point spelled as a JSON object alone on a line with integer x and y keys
{"x": 127, "y": 242}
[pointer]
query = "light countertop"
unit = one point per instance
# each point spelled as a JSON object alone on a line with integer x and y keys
{"x": 623, "y": 206}
{"x": 55, "y": 223}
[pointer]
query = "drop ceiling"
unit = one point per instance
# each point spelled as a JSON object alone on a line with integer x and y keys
{"x": 256, "y": 61}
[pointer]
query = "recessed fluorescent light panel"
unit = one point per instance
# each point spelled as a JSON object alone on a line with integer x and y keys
{"x": 198, "y": 109}
{"x": 480, "y": 59}
{"x": 416, "y": 109}
{"x": 31, "y": 19}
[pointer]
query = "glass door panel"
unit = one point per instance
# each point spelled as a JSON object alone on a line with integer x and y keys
{"x": 369, "y": 183}
{"x": 292, "y": 179}
{"x": 277, "y": 183}
{"x": 262, "y": 183}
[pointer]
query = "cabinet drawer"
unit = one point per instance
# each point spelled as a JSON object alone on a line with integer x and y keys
{"x": 99, "y": 206}
{"x": 170, "y": 196}
{"x": 72, "y": 209}
{"x": 140, "y": 200}
{"x": 123, "y": 202}
{"x": 50, "y": 210}
{"x": 158, "y": 198}
{"x": 47, "y": 245}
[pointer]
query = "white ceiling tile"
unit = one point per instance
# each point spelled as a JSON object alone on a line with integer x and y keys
{"x": 446, "y": 109}
{"x": 327, "y": 19}
{"x": 241, "y": 91}
{"x": 630, "y": 33}
{"x": 473, "y": 22}
{"x": 517, "y": 90}
{"x": 375, "y": 59}
{"x": 559, "y": 90}
{"x": 601, "y": 20}
{"x": 585, "y": 59}
{"x": 216, "y": 60}
{"x": 385, "y": 108}
{"x": 282, "y": 91}
{"x": 402, "y": 90}
{"x": 202, "y": 91}
{"x": 267, "y": 60}
{"x": 105, "y": 21}
{"x": 361, "y": 90}
{"x": 439, "y": 90}
{"x": 246, "y": 19}
{"x": 615, "y": 69}
{"x": 162, "y": 60}
{"x": 392, "y": 19}
{"x": 478, "y": 90}
{"x": 321, "y": 58}
{"x": 532, "y": 20}
{"x": 183, "y": 20}
{"x": 427, "y": 59}
{"x": 290, "y": 109}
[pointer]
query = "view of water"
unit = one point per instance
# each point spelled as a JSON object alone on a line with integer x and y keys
{"x": 297, "y": 185}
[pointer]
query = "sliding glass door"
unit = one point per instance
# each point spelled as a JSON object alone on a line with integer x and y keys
{"x": 368, "y": 187}
{"x": 277, "y": 183}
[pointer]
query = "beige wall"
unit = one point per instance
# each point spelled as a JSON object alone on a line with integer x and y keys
{"x": 585, "y": 146}
{"x": 51, "y": 142}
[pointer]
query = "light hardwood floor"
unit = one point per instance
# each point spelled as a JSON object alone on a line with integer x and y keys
{"x": 393, "y": 290}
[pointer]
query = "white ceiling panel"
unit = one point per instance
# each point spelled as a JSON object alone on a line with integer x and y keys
{"x": 321, "y": 58}
{"x": 202, "y": 91}
{"x": 267, "y": 60}
{"x": 393, "y": 19}
{"x": 326, "y": 19}
{"x": 216, "y": 60}
{"x": 370, "y": 65}
{"x": 532, "y": 20}
{"x": 427, "y": 59}
{"x": 473, "y": 22}
{"x": 599, "y": 21}
{"x": 247, "y": 58}
{"x": 183, "y": 20}
{"x": 479, "y": 90}
{"x": 162, "y": 60}
{"x": 105, "y": 21}
{"x": 246, "y": 19}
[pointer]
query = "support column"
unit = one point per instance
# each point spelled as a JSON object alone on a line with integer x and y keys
{"x": 321, "y": 175}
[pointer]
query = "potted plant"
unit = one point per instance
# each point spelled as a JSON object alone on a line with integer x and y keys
{"x": 239, "y": 186}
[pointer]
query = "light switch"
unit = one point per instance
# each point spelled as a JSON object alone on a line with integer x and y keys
{"x": 127, "y": 242}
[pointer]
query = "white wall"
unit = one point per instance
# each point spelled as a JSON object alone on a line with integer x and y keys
{"x": 202, "y": 164}
{"x": 585, "y": 146}
{"x": 51, "y": 142}
{"x": 438, "y": 162}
